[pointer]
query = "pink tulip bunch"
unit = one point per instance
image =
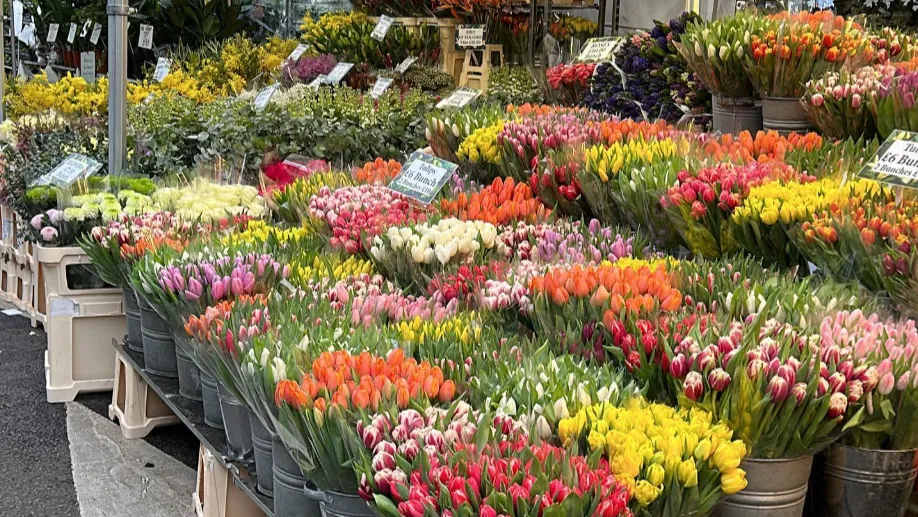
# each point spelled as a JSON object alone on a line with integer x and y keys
{"x": 880, "y": 358}
{"x": 210, "y": 281}
{"x": 838, "y": 103}
{"x": 525, "y": 141}
{"x": 350, "y": 214}
{"x": 567, "y": 242}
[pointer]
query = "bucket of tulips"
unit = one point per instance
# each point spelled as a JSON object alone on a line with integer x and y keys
{"x": 839, "y": 103}
{"x": 318, "y": 416}
{"x": 781, "y": 396}
{"x": 876, "y": 461}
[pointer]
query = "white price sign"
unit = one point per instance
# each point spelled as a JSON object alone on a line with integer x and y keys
{"x": 17, "y": 17}
{"x": 162, "y": 69}
{"x": 96, "y": 32}
{"x": 382, "y": 27}
{"x": 895, "y": 162}
{"x": 380, "y": 87}
{"x": 405, "y": 65}
{"x": 470, "y": 36}
{"x": 338, "y": 73}
{"x": 297, "y": 52}
{"x": 88, "y": 66}
{"x": 422, "y": 177}
{"x": 146, "y": 36}
{"x": 598, "y": 50}
{"x": 460, "y": 98}
{"x": 264, "y": 96}
{"x": 73, "y": 168}
{"x": 52, "y": 32}
{"x": 71, "y": 35}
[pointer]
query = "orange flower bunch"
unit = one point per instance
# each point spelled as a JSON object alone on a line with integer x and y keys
{"x": 501, "y": 202}
{"x": 532, "y": 110}
{"x": 149, "y": 243}
{"x": 633, "y": 288}
{"x": 767, "y": 146}
{"x": 377, "y": 172}
{"x": 364, "y": 381}
{"x": 612, "y": 131}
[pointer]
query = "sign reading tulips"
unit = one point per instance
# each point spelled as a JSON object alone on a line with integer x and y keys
{"x": 896, "y": 161}
{"x": 422, "y": 177}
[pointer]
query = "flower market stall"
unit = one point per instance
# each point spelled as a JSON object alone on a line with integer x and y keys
{"x": 675, "y": 277}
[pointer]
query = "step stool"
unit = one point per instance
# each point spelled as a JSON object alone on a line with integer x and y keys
{"x": 477, "y": 66}
{"x": 135, "y": 405}
{"x": 80, "y": 330}
{"x": 216, "y": 494}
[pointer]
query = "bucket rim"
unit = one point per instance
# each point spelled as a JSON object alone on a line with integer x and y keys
{"x": 878, "y": 451}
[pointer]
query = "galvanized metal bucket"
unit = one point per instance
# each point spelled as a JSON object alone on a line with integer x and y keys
{"x": 213, "y": 417}
{"x": 785, "y": 115}
{"x": 132, "y": 314}
{"x": 236, "y": 425}
{"x": 777, "y": 488}
{"x": 189, "y": 375}
{"x": 854, "y": 482}
{"x": 736, "y": 114}
{"x": 158, "y": 345}
{"x": 289, "y": 482}
{"x": 264, "y": 462}
{"x": 334, "y": 504}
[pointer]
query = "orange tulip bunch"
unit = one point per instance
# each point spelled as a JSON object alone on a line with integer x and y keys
{"x": 612, "y": 131}
{"x": 501, "y": 202}
{"x": 766, "y": 146}
{"x": 377, "y": 172}
{"x": 364, "y": 381}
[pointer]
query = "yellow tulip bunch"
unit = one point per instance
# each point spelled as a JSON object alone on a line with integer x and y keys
{"x": 661, "y": 452}
{"x": 634, "y": 263}
{"x": 479, "y": 153}
{"x": 333, "y": 267}
{"x": 607, "y": 161}
{"x": 463, "y": 328}
{"x": 259, "y": 232}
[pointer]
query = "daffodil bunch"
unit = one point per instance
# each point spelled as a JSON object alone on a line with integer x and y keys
{"x": 413, "y": 255}
{"x": 715, "y": 51}
{"x": 675, "y": 461}
{"x": 202, "y": 200}
{"x": 479, "y": 154}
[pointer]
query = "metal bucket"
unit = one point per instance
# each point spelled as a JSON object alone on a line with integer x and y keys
{"x": 334, "y": 504}
{"x": 236, "y": 425}
{"x": 158, "y": 345}
{"x": 264, "y": 463}
{"x": 785, "y": 115}
{"x": 289, "y": 482}
{"x": 736, "y": 114}
{"x": 189, "y": 375}
{"x": 212, "y": 414}
{"x": 853, "y": 482}
{"x": 777, "y": 488}
{"x": 132, "y": 313}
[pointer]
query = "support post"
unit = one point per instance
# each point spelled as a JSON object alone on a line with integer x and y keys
{"x": 2, "y": 68}
{"x": 117, "y": 84}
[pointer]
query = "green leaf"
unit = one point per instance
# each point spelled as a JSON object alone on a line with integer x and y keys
{"x": 877, "y": 426}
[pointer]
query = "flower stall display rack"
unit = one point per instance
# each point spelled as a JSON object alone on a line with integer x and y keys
{"x": 225, "y": 488}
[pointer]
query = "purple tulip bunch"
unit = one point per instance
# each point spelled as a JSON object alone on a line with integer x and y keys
{"x": 209, "y": 281}
{"x": 569, "y": 243}
{"x": 893, "y": 104}
{"x": 881, "y": 354}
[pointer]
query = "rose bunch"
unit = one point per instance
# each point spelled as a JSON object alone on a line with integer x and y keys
{"x": 838, "y": 103}
{"x": 415, "y": 254}
{"x": 667, "y": 457}
{"x": 502, "y": 202}
{"x": 349, "y": 215}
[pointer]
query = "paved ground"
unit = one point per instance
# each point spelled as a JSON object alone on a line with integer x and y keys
{"x": 70, "y": 460}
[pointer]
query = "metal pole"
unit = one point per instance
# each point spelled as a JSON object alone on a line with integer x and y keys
{"x": 117, "y": 84}
{"x": 2, "y": 67}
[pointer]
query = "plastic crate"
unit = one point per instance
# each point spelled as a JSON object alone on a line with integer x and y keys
{"x": 135, "y": 405}
{"x": 216, "y": 494}
{"x": 62, "y": 272}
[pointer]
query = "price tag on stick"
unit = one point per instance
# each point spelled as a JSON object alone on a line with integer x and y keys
{"x": 382, "y": 27}
{"x": 470, "y": 36}
{"x": 17, "y": 17}
{"x": 422, "y": 177}
{"x": 297, "y": 52}
{"x": 88, "y": 66}
{"x": 895, "y": 162}
{"x": 52, "y": 32}
{"x": 146, "y": 36}
{"x": 599, "y": 50}
{"x": 405, "y": 65}
{"x": 73, "y": 168}
{"x": 71, "y": 35}
{"x": 162, "y": 69}
{"x": 96, "y": 32}
{"x": 380, "y": 87}
{"x": 460, "y": 98}
{"x": 338, "y": 73}
{"x": 264, "y": 96}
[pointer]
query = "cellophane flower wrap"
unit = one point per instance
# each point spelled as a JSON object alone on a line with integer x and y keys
{"x": 879, "y": 356}
{"x": 674, "y": 461}
{"x": 715, "y": 51}
{"x": 893, "y": 104}
{"x": 839, "y": 102}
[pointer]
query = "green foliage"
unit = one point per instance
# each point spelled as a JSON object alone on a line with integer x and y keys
{"x": 199, "y": 21}
{"x": 513, "y": 85}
